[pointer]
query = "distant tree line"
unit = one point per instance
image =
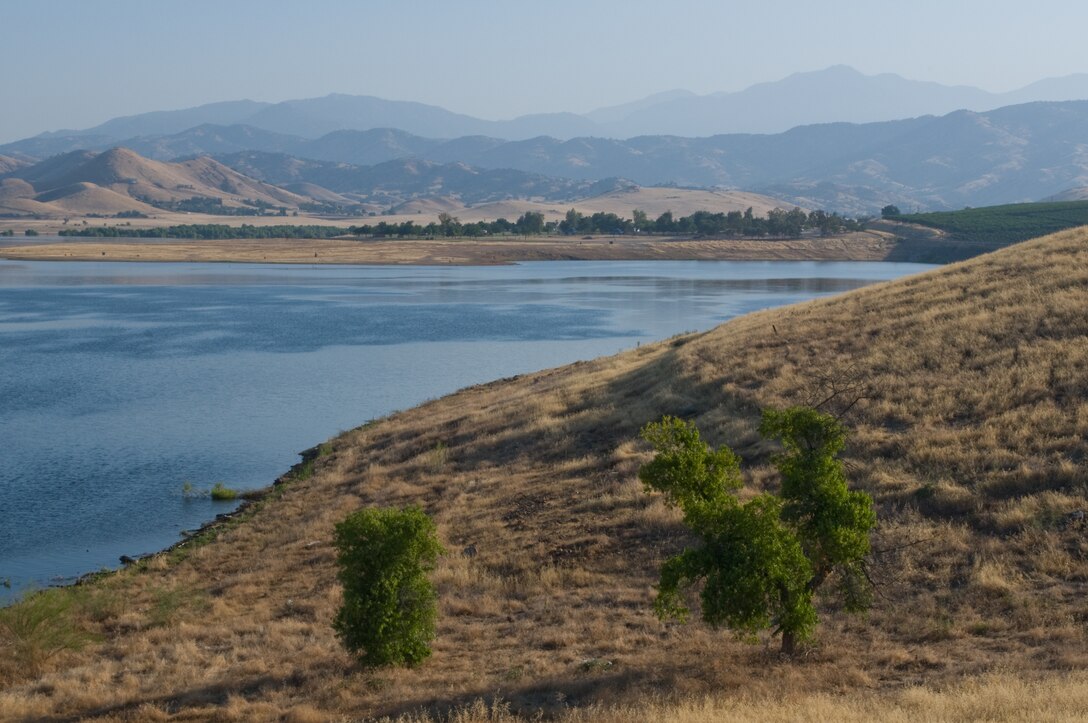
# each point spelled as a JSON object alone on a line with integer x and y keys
{"x": 736, "y": 224}
{"x": 530, "y": 223}
{"x": 208, "y": 231}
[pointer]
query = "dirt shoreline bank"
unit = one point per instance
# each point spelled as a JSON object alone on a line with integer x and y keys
{"x": 862, "y": 246}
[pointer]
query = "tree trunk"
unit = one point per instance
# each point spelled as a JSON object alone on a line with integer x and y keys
{"x": 789, "y": 642}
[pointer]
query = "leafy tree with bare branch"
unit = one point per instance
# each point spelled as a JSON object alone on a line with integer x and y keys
{"x": 760, "y": 562}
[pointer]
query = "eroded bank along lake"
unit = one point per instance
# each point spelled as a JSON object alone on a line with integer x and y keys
{"x": 120, "y": 382}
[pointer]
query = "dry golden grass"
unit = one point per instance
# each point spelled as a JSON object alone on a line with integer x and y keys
{"x": 652, "y": 201}
{"x": 993, "y": 698}
{"x": 972, "y": 439}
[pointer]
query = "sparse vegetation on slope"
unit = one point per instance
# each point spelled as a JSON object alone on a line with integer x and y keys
{"x": 972, "y": 440}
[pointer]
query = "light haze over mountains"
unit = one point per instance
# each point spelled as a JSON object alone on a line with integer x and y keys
{"x": 836, "y": 94}
{"x": 854, "y": 144}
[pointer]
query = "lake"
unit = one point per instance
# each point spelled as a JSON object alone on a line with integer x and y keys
{"x": 120, "y": 382}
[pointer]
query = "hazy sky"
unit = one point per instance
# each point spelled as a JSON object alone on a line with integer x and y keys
{"x": 76, "y": 63}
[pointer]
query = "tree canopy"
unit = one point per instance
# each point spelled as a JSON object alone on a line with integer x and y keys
{"x": 760, "y": 562}
{"x": 389, "y": 609}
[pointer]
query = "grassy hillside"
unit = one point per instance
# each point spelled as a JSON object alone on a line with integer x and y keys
{"x": 972, "y": 439}
{"x": 1005, "y": 224}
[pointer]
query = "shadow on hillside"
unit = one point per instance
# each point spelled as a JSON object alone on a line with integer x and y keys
{"x": 603, "y": 418}
{"x": 215, "y": 694}
{"x": 541, "y": 699}
{"x": 922, "y": 245}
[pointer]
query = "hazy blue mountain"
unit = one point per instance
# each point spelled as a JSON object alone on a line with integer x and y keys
{"x": 1068, "y": 87}
{"x": 835, "y": 94}
{"x": 1014, "y": 153}
{"x": 209, "y": 139}
{"x": 617, "y": 113}
{"x": 406, "y": 178}
{"x": 561, "y": 125}
{"x": 365, "y": 148}
{"x": 44, "y": 146}
{"x": 1018, "y": 153}
{"x": 167, "y": 122}
{"x": 315, "y": 117}
{"x": 462, "y": 149}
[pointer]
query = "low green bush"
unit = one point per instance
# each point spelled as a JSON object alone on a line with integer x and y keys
{"x": 390, "y": 607}
{"x": 220, "y": 492}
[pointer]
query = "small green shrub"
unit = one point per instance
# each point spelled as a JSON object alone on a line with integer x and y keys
{"x": 220, "y": 492}
{"x": 389, "y": 609}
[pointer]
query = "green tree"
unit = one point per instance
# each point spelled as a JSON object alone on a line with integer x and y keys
{"x": 572, "y": 223}
{"x": 449, "y": 225}
{"x": 889, "y": 211}
{"x": 831, "y": 521}
{"x": 665, "y": 223}
{"x": 760, "y": 562}
{"x": 530, "y": 223}
{"x": 389, "y": 609}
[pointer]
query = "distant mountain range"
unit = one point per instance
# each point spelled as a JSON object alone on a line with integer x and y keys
{"x": 836, "y": 94}
{"x": 1021, "y": 152}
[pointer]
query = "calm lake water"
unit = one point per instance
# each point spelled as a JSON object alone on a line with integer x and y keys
{"x": 119, "y": 382}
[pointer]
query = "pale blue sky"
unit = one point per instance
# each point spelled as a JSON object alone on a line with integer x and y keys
{"x": 73, "y": 64}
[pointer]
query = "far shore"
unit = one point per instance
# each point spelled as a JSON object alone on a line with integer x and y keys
{"x": 859, "y": 246}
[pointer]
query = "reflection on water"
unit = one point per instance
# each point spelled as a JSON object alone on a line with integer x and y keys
{"x": 119, "y": 382}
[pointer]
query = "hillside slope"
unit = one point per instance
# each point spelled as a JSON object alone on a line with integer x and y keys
{"x": 129, "y": 173}
{"x": 120, "y": 180}
{"x": 972, "y": 438}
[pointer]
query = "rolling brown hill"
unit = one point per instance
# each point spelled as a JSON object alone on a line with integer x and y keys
{"x": 118, "y": 180}
{"x": 971, "y": 435}
{"x": 83, "y": 197}
{"x": 17, "y": 197}
{"x": 9, "y": 164}
{"x": 129, "y": 173}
